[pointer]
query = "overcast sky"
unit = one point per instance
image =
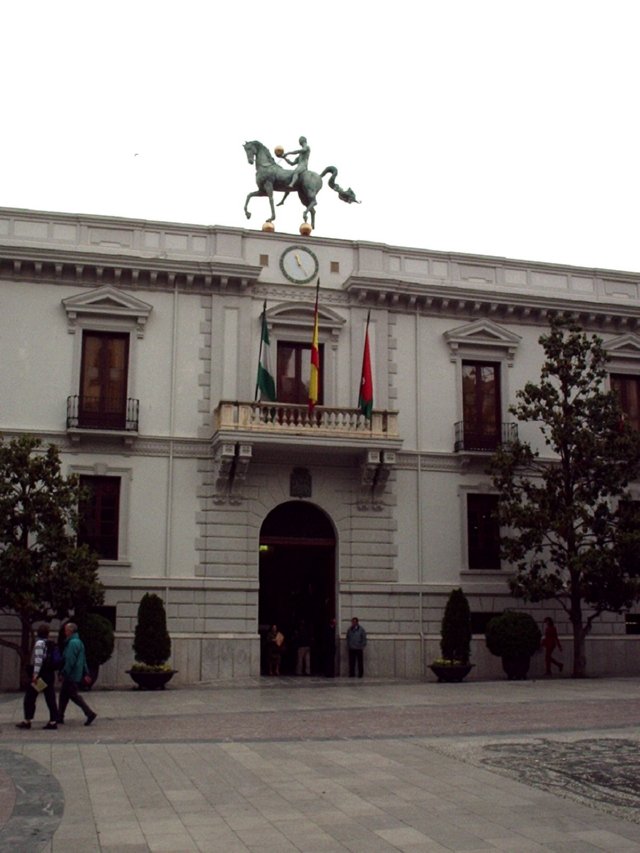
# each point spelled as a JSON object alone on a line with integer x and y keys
{"x": 498, "y": 128}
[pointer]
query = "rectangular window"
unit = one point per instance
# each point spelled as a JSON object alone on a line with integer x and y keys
{"x": 481, "y": 405}
{"x": 483, "y": 532}
{"x": 99, "y": 515}
{"x": 294, "y": 371}
{"x": 103, "y": 380}
{"x": 628, "y": 390}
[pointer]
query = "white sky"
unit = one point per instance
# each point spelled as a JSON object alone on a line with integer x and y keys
{"x": 500, "y": 128}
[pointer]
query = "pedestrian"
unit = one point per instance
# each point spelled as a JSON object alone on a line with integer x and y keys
{"x": 43, "y": 680}
{"x": 303, "y": 642}
{"x": 74, "y": 672}
{"x": 550, "y": 642}
{"x": 275, "y": 647}
{"x": 329, "y": 649}
{"x": 356, "y": 641}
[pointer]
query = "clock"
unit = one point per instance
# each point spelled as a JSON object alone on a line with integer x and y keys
{"x": 299, "y": 264}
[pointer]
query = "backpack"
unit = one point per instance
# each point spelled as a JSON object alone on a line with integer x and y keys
{"x": 54, "y": 655}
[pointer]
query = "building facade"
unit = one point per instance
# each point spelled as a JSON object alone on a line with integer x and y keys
{"x": 134, "y": 347}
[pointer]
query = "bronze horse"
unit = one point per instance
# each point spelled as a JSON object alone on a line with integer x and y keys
{"x": 270, "y": 178}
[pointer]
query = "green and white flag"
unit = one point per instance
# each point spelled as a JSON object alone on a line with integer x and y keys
{"x": 265, "y": 385}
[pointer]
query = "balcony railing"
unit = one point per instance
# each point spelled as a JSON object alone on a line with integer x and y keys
{"x": 476, "y": 439}
{"x": 100, "y": 413}
{"x": 290, "y": 418}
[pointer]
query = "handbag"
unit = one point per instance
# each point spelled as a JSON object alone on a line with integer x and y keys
{"x": 40, "y": 685}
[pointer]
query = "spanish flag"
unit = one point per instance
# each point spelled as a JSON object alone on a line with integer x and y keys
{"x": 315, "y": 357}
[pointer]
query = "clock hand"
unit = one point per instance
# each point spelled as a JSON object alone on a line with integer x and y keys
{"x": 297, "y": 257}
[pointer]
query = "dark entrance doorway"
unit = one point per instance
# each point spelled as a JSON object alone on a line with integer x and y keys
{"x": 297, "y": 579}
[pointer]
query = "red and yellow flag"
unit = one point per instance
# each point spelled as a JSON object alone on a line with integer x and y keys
{"x": 315, "y": 357}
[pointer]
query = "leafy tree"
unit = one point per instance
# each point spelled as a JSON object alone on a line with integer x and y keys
{"x": 44, "y": 574}
{"x": 569, "y": 530}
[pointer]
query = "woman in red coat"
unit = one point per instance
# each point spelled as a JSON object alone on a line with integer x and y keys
{"x": 550, "y": 642}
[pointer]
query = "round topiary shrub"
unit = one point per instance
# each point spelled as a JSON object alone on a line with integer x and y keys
{"x": 151, "y": 642}
{"x": 455, "y": 642}
{"x": 513, "y": 634}
{"x": 98, "y": 638}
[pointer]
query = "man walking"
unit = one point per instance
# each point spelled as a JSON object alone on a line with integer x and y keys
{"x": 356, "y": 641}
{"x": 74, "y": 671}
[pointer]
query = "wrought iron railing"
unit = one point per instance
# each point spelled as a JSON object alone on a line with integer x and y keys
{"x": 475, "y": 438}
{"x": 295, "y": 418}
{"x": 102, "y": 413}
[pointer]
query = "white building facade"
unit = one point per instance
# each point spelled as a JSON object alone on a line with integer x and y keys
{"x": 133, "y": 346}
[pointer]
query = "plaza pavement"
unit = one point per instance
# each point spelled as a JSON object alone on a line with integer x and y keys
{"x": 283, "y": 765}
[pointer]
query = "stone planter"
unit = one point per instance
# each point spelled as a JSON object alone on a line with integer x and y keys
{"x": 516, "y": 668}
{"x": 151, "y": 680}
{"x": 451, "y": 673}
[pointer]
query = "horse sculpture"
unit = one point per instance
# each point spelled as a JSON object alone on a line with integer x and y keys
{"x": 270, "y": 178}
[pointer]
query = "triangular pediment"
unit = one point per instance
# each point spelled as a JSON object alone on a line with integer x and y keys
{"x": 483, "y": 335}
{"x": 109, "y": 303}
{"x": 297, "y": 315}
{"x": 624, "y": 346}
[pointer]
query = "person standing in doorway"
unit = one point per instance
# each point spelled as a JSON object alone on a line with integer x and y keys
{"x": 329, "y": 649}
{"x": 550, "y": 642}
{"x": 356, "y": 641}
{"x": 74, "y": 672}
{"x": 303, "y": 643}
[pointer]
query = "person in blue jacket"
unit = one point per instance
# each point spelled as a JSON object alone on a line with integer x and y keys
{"x": 356, "y": 641}
{"x": 73, "y": 673}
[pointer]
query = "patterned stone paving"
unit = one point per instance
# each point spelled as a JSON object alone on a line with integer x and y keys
{"x": 33, "y": 806}
{"x": 600, "y": 771}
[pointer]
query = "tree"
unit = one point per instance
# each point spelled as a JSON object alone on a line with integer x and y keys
{"x": 151, "y": 641}
{"x": 455, "y": 632}
{"x": 44, "y": 573}
{"x": 569, "y": 530}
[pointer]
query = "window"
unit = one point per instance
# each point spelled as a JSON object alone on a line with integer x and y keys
{"x": 103, "y": 380}
{"x": 481, "y": 405}
{"x": 99, "y": 515}
{"x": 629, "y": 519}
{"x": 627, "y": 387}
{"x": 483, "y": 532}
{"x": 293, "y": 372}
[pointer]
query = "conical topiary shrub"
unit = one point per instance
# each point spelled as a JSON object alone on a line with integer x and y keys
{"x": 455, "y": 642}
{"x": 152, "y": 643}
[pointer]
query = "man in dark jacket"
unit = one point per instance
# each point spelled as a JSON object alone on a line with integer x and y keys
{"x": 74, "y": 671}
{"x": 356, "y": 641}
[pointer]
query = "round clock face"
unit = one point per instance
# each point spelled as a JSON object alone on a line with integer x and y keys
{"x": 299, "y": 264}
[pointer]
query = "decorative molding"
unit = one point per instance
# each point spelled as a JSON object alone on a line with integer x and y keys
{"x": 107, "y": 302}
{"x": 482, "y": 334}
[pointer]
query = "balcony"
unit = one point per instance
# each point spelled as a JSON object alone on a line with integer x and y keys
{"x": 102, "y": 416}
{"x": 288, "y": 423}
{"x": 475, "y": 439}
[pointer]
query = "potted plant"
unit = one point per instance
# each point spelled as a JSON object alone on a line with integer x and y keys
{"x": 97, "y": 636}
{"x": 455, "y": 640}
{"x": 151, "y": 645}
{"x": 513, "y": 636}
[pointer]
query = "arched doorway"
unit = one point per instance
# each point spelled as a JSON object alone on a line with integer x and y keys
{"x": 297, "y": 578}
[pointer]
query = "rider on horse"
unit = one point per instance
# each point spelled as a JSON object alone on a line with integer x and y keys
{"x": 301, "y": 162}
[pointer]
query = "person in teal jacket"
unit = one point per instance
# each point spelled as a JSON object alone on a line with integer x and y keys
{"x": 74, "y": 671}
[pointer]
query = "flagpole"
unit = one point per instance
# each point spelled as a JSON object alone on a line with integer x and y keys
{"x": 315, "y": 356}
{"x": 263, "y": 317}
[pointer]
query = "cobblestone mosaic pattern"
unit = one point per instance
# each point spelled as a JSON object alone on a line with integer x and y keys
{"x": 38, "y": 806}
{"x": 601, "y": 772}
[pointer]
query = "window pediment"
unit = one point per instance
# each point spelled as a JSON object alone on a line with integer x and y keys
{"x": 292, "y": 316}
{"x": 107, "y": 303}
{"x": 624, "y": 348}
{"x": 483, "y": 337}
